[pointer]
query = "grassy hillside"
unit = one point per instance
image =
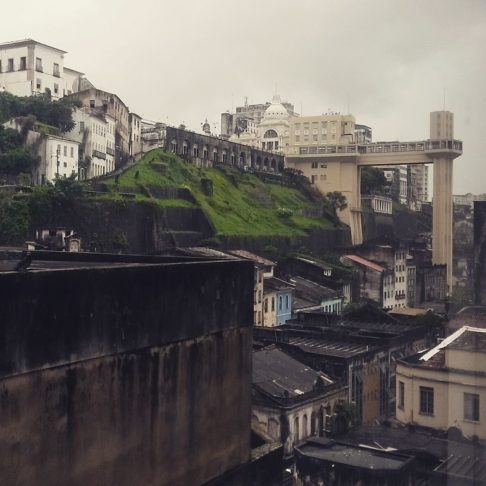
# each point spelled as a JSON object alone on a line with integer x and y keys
{"x": 240, "y": 204}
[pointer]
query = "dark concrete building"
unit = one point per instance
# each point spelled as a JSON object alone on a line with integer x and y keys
{"x": 479, "y": 266}
{"x": 123, "y": 370}
{"x": 208, "y": 150}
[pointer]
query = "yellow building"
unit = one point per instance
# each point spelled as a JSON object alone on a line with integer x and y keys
{"x": 446, "y": 386}
{"x": 331, "y": 128}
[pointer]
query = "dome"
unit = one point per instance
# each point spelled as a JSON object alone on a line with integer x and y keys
{"x": 276, "y": 111}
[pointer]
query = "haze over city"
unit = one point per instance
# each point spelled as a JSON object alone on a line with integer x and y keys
{"x": 389, "y": 63}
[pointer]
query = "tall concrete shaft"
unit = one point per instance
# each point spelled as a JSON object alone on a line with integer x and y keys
{"x": 442, "y": 216}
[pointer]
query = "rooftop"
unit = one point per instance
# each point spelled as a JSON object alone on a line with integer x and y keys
{"x": 279, "y": 375}
{"x": 43, "y": 260}
{"x": 467, "y": 338}
{"x": 328, "y": 347}
{"x": 25, "y": 42}
{"x": 365, "y": 263}
{"x": 276, "y": 284}
{"x": 251, "y": 256}
{"x": 356, "y": 456}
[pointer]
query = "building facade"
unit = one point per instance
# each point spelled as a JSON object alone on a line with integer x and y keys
{"x": 135, "y": 125}
{"x": 28, "y": 68}
{"x": 290, "y": 400}
{"x": 114, "y": 107}
{"x": 95, "y": 131}
{"x": 445, "y": 386}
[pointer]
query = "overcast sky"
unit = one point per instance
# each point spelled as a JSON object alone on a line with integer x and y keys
{"x": 389, "y": 61}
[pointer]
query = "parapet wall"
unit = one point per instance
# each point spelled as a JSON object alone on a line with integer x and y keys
{"x": 137, "y": 374}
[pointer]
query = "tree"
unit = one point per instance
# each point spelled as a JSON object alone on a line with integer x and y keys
{"x": 373, "y": 181}
{"x": 55, "y": 113}
{"x": 336, "y": 201}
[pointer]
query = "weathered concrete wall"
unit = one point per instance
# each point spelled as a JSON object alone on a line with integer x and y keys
{"x": 125, "y": 375}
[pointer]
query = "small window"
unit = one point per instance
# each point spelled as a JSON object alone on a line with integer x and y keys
{"x": 55, "y": 70}
{"x": 72, "y": 151}
{"x": 38, "y": 64}
{"x": 38, "y": 84}
{"x": 10, "y": 66}
{"x": 65, "y": 164}
{"x": 65, "y": 151}
{"x": 471, "y": 407}
{"x": 56, "y": 88}
{"x": 426, "y": 400}
{"x": 273, "y": 304}
{"x": 314, "y": 165}
{"x": 23, "y": 63}
{"x": 401, "y": 394}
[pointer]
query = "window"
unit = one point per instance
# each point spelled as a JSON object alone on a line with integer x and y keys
{"x": 426, "y": 400}
{"x": 56, "y": 88}
{"x": 23, "y": 63}
{"x": 38, "y": 64}
{"x": 72, "y": 151}
{"x": 10, "y": 66}
{"x": 38, "y": 84}
{"x": 401, "y": 394}
{"x": 65, "y": 151}
{"x": 65, "y": 164}
{"x": 314, "y": 165}
{"x": 273, "y": 304}
{"x": 266, "y": 306}
{"x": 280, "y": 303}
{"x": 0, "y": 66}
{"x": 286, "y": 301}
{"x": 55, "y": 70}
{"x": 471, "y": 406}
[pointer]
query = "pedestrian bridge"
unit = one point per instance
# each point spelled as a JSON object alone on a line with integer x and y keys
{"x": 337, "y": 168}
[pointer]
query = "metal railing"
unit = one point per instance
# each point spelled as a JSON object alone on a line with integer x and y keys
{"x": 382, "y": 147}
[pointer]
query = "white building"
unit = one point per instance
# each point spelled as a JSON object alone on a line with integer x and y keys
{"x": 94, "y": 130}
{"x": 28, "y": 68}
{"x": 58, "y": 157}
{"x": 135, "y": 134}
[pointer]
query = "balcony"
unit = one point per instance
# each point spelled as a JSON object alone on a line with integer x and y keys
{"x": 110, "y": 151}
{"x": 99, "y": 155}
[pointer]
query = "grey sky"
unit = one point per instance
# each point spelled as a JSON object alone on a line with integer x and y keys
{"x": 388, "y": 60}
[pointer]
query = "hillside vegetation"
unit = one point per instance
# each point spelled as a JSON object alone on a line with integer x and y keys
{"x": 237, "y": 202}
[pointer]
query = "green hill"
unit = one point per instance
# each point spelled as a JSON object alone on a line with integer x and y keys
{"x": 238, "y": 203}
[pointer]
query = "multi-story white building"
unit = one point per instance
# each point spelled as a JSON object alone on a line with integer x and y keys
{"x": 446, "y": 386}
{"x": 58, "y": 157}
{"x": 95, "y": 131}
{"x": 135, "y": 134}
{"x": 28, "y": 67}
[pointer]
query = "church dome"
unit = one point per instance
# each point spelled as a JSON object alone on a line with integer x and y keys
{"x": 276, "y": 111}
